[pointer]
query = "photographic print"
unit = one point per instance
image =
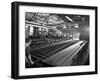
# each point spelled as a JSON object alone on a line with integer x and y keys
{"x": 56, "y": 39}
{"x": 51, "y": 40}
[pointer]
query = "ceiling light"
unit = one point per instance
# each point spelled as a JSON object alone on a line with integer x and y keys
{"x": 69, "y": 18}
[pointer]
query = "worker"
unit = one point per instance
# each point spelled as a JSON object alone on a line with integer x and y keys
{"x": 28, "y": 54}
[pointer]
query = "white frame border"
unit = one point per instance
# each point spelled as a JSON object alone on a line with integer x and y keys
{"x": 54, "y": 70}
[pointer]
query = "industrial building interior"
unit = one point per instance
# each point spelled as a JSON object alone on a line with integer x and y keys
{"x": 56, "y": 39}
